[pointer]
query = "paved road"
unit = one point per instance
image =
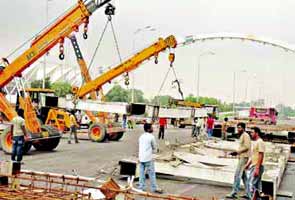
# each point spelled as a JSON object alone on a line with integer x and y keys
{"x": 96, "y": 159}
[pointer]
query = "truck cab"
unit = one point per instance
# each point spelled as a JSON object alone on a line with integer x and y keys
{"x": 268, "y": 115}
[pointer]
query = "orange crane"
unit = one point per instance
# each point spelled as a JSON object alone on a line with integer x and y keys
{"x": 54, "y": 34}
{"x": 98, "y": 131}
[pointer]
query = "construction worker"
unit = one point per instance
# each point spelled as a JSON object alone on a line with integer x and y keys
{"x": 243, "y": 155}
{"x": 147, "y": 145}
{"x": 73, "y": 126}
{"x": 224, "y": 128}
{"x": 162, "y": 126}
{"x": 210, "y": 125}
{"x": 78, "y": 116}
{"x": 255, "y": 164}
{"x": 19, "y": 134}
{"x": 124, "y": 121}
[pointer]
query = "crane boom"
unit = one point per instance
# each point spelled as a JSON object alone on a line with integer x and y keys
{"x": 128, "y": 65}
{"x": 53, "y": 35}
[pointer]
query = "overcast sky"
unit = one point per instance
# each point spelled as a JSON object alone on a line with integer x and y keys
{"x": 261, "y": 71}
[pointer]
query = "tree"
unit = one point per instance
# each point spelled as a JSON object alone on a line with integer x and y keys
{"x": 162, "y": 100}
{"x": 191, "y": 98}
{"x": 61, "y": 88}
{"x": 285, "y": 111}
{"x": 138, "y": 96}
{"x": 222, "y": 106}
{"x": 39, "y": 83}
{"x": 117, "y": 94}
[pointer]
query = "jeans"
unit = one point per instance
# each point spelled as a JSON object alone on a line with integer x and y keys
{"x": 17, "y": 148}
{"x": 210, "y": 132}
{"x": 196, "y": 131}
{"x": 240, "y": 173}
{"x": 73, "y": 131}
{"x": 161, "y": 132}
{"x": 150, "y": 167}
{"x": 124, "y": 124}
{"x": 255, "y": 184}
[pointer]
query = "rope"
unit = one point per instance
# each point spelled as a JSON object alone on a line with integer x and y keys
{"x": 163, "y": 82}
{"x": 177, "y": 81}
{"x": 98, "y": 44}
{"x": 116, "y": 42}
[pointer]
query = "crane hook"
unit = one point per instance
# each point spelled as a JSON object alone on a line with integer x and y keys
{"x": 126, "y": 79}
{"x": 156, "y": 59}
{"x": 85, "y": 35}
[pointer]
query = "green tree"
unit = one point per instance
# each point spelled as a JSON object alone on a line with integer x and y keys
{"x": 61, "y": 88}
{"x": 138, "y": 96}
{"x": 117, "y": 94}
{"x": 162, "y": 100}
{"x": 190, "y": 98}
{"x": 39, "y": 83}
{"x": 285, "y": 111}
{"x": 222, "y": 106}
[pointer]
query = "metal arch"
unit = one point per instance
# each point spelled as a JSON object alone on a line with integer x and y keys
{"x": 221, "y": 36}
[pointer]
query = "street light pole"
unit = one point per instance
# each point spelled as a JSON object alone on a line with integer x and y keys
{"x": 199, "y": 69}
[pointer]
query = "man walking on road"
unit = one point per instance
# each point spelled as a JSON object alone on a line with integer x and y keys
{"x": 162, "y": 126}
{"x": 243, "y": 154}
{"x": 210, "y": 126}
{"x": 19, "y": 133}
{"x": 255, "y": 163}
{"x": 147, "y": 144}
{"x": 73, "y": 127}
{"x": 225, "y": 126}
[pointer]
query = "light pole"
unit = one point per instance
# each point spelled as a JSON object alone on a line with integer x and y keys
{"x": 199, "y": 66}
{"x": 139, "y": 30}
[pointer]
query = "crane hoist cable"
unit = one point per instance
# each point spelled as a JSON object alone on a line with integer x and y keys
{"x": 110, "y": 11}
{"x": 98, "y": 44}
{"x": 164, "y": 80}
{"x": 175, "y": 81}
{"x": 116, "y": 42}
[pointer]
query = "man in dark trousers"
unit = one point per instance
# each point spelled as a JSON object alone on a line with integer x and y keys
{"x": 162, "y": 126}
{"x": 19, "y": 133}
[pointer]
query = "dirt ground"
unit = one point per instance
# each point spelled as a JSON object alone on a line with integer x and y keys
{"x": 100, "y": 159}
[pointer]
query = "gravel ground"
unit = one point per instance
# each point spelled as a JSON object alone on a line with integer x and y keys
{"x": 100, "y": 159}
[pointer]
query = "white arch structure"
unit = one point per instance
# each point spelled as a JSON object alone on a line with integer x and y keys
{"x": 188, "y": 40}
{"x": 72, "y": 72}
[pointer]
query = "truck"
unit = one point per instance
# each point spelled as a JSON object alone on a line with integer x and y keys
{"x": 267, "y": 115}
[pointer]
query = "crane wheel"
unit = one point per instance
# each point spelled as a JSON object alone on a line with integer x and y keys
{"x": 97, "y": 133}
{"x": 116, "y": 136}
{"x": 49, "y": 143}
{"x": 6, "y": 142}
